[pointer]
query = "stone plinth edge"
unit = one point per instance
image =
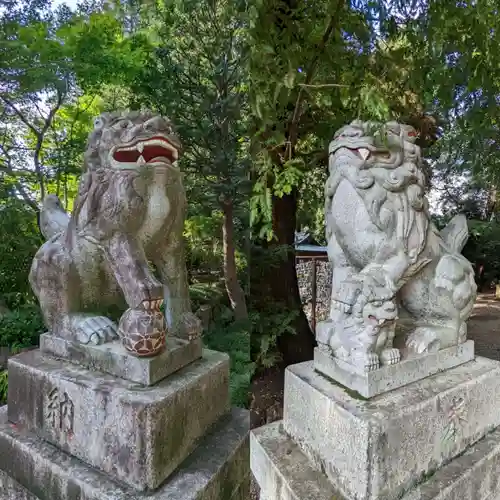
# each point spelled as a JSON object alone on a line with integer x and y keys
{"x": 379, "y": 448}
{"x": 112, "y": 358}
{"x": 35, "y": 470}
{"x": 283, "y": 471}
{"x": 138, "y": 435}
{"x": 388, "y": 378}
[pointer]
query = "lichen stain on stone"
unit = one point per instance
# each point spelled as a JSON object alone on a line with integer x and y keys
{"x": 171, "y": 432}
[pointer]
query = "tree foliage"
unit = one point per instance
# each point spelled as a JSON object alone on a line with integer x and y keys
{"x": 48, "y": 59}
{"x": 195, "y": 75}
{"x": 256, "y": 90}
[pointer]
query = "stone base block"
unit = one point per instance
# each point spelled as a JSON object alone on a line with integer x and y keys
{"x": 387, "y": 378}
{"x": 112, "y": 358}
{"x": 284, "y": 472}
{"x": 380, "y": 448}
{"x": 31, "y": 469}
{"x": 138, "y": 435}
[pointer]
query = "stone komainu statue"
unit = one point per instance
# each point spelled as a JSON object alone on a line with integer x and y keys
{"x": 394, "y": 274}
{"x": 128, "y": 214}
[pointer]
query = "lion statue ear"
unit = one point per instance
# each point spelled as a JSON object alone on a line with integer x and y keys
{"x": 99, "y": 122}
{"x": 104, "y": 119}
{"x": 91, "y": 155}
{"x": 89, "y": 162}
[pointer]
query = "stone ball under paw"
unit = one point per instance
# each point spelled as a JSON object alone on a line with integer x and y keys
{"x": 143, "y": 332}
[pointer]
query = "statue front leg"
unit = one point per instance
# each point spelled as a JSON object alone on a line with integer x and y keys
{"x": 389, "y": 355}
{"x": 171, "y": 266}
{"x": 343, "y": 293}
{"x": 127, "y": 260}
{"x": 142, "y": 327}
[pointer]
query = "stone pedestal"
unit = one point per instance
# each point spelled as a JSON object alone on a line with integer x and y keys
{"x": 73, "y": 432}
{"x": 113, "y": 359}
{"x": 436, "y": 438}
{"x": 387, "y": 378}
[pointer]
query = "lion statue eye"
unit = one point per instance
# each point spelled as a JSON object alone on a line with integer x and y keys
{"x": 122, "y": 124}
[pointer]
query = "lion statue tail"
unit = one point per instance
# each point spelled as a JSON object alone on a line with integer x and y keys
{"x": 456, "y": 233}
{"x": 53, "y": 218}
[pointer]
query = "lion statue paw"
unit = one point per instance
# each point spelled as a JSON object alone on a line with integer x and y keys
{"x": 390, "y": 356}
{"x": 93, "y": 329}
{"x": 366, "y": 361}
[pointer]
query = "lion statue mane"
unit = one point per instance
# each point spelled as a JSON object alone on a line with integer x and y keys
{"x": 378, "y": 230}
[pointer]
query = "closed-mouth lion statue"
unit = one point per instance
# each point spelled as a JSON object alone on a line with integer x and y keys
{"x": 378, "y": 228}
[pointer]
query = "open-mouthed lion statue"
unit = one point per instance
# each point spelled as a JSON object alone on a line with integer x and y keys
{"x": 381, "y": 242}
{"x": 128, "y": 214}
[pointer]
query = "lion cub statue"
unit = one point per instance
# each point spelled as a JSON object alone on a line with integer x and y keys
{"x": 390, "y": 263}
{"x": 128, "y": 218}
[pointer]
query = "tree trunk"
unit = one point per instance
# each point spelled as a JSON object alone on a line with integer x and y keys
{"x": 279, "y": 283}
{"x": 274, "y": 281}
{"x": 284, "y": 285}
{"x": 233, "y": 288}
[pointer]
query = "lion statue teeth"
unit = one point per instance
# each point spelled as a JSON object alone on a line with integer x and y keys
{"x": 128, "y": 214}
{"x": 385, "y": 250}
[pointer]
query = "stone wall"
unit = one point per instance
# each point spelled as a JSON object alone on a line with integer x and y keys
{"x": 323, "y": 286}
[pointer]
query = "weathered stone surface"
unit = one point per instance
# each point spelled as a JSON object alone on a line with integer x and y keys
{"x": 284, "y": 472}
{"x": 390, "y": 377}
{"x": 473, "y": 475}
{"x": 380, "y": 448}
{"x": 389, "y": 260}
{"x": 12, "y": 490}
{"x": 129, "y": 212}
{"x": 112, "y": 358}
{"x": 8, "y": 352}
{"x": 217, "y": 470}
{"x": 138, "y": 435}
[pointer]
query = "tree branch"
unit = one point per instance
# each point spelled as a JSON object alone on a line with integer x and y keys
{"x": 32, "y": 204}
{"x": 323, "y": 85}
{"x": 33, "y": 101}
{"x": 40, "y": 139}
{"x": 15, "y": 173}
{"x": 39, "y": 134}
{"x": 310, "y": 71}
{"x": 20, "y": 115}
{"x": 8, "y": 170}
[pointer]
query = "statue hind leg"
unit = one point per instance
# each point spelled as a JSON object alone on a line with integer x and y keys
{"x": 439, "y": 299}
{"x": 57, "y": 288}
{"x": 442, "y": 296}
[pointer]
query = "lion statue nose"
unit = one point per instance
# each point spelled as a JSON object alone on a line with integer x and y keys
{"x": 355, "y": 130}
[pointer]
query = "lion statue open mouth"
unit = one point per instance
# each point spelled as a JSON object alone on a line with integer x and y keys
{"x": 378, "y": 228}
{"x": 129, "y": 213}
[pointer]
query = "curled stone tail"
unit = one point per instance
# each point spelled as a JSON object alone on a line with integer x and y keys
{"x": 456, "y": 233}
